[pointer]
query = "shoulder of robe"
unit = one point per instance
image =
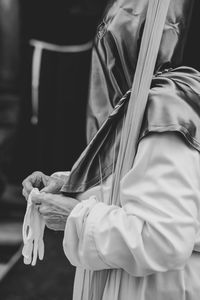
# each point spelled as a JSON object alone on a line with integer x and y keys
{"x": 174, "y": 105}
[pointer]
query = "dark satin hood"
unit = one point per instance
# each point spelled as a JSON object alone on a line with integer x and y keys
{"x": 174, "y": 101}
{"x": 116, "y": 48}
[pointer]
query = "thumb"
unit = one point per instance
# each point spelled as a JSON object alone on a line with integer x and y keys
{"x": 51, "y": 187}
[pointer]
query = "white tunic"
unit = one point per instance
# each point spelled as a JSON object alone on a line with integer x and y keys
{"x": 149, "y": 246}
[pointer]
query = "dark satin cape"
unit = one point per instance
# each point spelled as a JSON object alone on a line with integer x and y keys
{"x": 174, "y": 98}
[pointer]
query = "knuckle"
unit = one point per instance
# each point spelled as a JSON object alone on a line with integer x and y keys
{"x": 24, "y": 182}
{"x": 43, "y": 209}
{"x": 36, "y": 173}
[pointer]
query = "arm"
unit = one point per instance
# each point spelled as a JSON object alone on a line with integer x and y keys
{"x": 156, "y": 227}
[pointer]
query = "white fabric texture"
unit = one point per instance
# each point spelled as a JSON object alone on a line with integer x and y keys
{"x": 147, "y": 245}
{"x": 33, "y": 232}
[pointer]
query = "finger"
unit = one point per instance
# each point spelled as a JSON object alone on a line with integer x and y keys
{"x": 53, "y": 200}
{"x": 58, "y": 202}
{"x": 25, "y": 194}
{"x": 31, "y": 181}
{"x": 53, "y": 186}
{"x": 44, "y": 210}
{"x": 27, "y": 185}
{"x": 56, "y": 226}
{"x": 39, "y": 179}
{"x": 44, "y": 198}
{"x": 36, "y": 179}
{"x": 52, "y": 226}
{"x": 45, "y": 180}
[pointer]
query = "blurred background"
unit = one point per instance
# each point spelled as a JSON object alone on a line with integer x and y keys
{"x": 45, "y": 51}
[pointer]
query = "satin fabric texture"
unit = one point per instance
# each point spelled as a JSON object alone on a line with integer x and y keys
{"x": 114, "y": 59}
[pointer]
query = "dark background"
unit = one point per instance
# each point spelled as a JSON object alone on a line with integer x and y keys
{"x": 51, "y": 145}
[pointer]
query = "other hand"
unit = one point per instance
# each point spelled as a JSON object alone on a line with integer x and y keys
{"x": 49, "y": 184}
{"x": 55, "y": 209}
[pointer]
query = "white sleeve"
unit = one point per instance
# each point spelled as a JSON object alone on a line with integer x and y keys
{"x": 156, "y": 227}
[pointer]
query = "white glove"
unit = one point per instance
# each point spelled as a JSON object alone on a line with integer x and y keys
{"x": 33, "y": 232}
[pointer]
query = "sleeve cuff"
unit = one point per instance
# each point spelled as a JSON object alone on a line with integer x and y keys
{"x": 79, "y": 236}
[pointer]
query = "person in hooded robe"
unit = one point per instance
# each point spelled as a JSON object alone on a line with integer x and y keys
{"x": 147, "y": 246}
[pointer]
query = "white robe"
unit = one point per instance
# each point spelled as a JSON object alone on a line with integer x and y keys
{"x": 149, "y": 246}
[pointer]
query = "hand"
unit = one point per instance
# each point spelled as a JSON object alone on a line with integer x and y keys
{"x": 55, "y": 209}
{"x": 49, "y": 184}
